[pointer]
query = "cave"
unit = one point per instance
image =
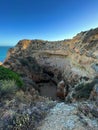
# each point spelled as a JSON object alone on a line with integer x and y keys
{"x": 49, "y": 88}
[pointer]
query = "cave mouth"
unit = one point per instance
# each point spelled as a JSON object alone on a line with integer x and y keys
{"x": 48, "y": 90}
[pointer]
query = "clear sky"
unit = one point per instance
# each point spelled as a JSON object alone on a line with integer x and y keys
{"x": 45, "y": 19}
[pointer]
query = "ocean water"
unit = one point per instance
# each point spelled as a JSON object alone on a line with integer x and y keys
{"x": 3, "y": 52}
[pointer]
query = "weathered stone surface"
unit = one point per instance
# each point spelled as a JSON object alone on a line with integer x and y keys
{"x": 67, "y": 60}
{"x": 61, "y": 90}
{"x": 67, "y": 117}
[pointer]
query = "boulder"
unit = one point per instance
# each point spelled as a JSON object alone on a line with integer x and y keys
{"x": 61, "y": 90}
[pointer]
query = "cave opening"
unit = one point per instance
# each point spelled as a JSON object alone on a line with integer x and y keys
{"x": 49, "y": 88}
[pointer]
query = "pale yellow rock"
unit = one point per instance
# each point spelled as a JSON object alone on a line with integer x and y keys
{"x": 0, "y": 63}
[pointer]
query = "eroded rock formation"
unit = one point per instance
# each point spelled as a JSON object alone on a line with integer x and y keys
{"x": 47, "y": 63}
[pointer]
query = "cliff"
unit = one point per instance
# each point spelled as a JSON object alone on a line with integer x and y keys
{"x": 47, "y": 63}
{"x": 65, "y": 71}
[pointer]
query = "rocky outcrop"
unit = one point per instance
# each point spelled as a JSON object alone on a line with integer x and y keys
{"x": 61, "y": 90}
{"x": 46, "y": 62}
{"x": 71, "y": 117}
{"x": 67, "y": 69}
{"x": 86, "y": 42}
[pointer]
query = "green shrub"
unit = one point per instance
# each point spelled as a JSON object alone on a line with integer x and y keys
{"x": 7, "y": 87}
{"x": 7, "y": 74}
{"x": 83, "y": 90}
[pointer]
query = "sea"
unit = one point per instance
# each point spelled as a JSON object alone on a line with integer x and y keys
{"x": 3, "y": 52}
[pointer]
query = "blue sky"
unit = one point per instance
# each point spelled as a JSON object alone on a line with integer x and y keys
{"x": 45, "y": 19}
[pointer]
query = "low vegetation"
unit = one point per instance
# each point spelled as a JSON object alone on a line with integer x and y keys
{"x": 7, "y": 74}
{"x": 7, "y": 87}
{"x": 83, "y": 90}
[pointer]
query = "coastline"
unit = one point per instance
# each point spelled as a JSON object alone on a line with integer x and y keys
{"x": 3, "y": 53}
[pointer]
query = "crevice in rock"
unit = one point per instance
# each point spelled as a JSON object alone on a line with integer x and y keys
{"x": 51, "y": 74}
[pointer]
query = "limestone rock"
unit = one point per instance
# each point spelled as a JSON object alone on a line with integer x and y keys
{"x": 68, "y": 117}
{"x": 43, "y": 63}
{"x": 0, "y": 63}
{"x": 61, "y": 90}
{"x": 67, "y": 60}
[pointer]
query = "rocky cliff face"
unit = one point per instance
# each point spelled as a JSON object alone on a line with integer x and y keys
{"x": 47, "y": 63}
{"x": 64, "y": 70}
